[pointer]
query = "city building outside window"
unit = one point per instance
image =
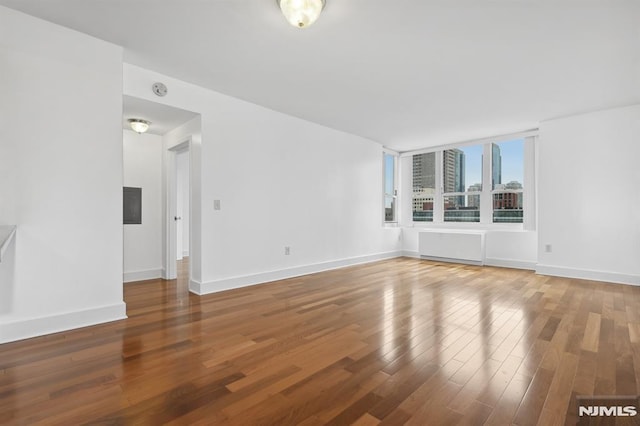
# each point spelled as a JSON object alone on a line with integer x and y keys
{"x": 483, "y": 182}
{"x": 460, "y": 167}
{"x": 507, "y": 176}
{"x": 424, "y": 186}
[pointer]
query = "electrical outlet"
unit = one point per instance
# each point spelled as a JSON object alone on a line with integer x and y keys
{"x": 547, "y": 248}
{"x": 287, "y": 250}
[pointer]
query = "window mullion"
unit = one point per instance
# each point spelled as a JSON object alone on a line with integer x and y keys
{"x": 486, "y": 208}
{"x": 528, "y": 200}
{"x": 438, "y": 203}
{"x": 390, "y": 212}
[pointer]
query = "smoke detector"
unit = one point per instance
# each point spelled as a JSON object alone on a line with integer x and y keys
{"x": 159, "y": 89}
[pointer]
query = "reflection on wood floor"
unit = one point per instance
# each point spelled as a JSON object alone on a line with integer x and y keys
{"x": 392, "y": 342}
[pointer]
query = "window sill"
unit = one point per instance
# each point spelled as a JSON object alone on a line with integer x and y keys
{"x": 461, "y": 226}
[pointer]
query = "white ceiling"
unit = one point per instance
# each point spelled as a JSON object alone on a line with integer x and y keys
{"x": 405, "y": 73}
{"x": 162, "y": 117}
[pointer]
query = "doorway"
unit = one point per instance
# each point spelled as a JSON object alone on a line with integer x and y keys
{"x": 179, "y": 210}
{"x": 159, "y": 164}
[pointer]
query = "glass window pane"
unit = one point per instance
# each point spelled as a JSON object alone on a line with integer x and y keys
{"x": 462, "y": 208}
{"x": 462, "y": 169}
{"x": 389, "y": 164}
{"x": 389, "y": 161}
{"x": 422, "y": 208}
{"x": 507, "y": 164}
{"x": 424, "y": 186}
{"x": 507, "y": 207}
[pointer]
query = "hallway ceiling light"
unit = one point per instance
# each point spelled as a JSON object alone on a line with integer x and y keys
{"x": 301, "y": 13}
{"x": 139, "y": 125}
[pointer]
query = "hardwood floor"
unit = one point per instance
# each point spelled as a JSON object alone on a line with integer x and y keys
{"x": 401, "y": 341}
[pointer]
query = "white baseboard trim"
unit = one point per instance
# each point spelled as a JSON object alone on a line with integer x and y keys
{"x": 34, "y": 327}
{"x": 149, "y": 274}
{"x": 503, "y": 263}
{"x": 265, "y": 277}
{"x": 450, "y": 260}
{"x": 409, "y": 253}
{"x": 586, "y": 274}
{"x": 195, "y": 287}
{"x": 510, "y": 263}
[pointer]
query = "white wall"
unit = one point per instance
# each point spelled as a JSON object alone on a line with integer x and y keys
{"x": 142, "y": 159}
{"x": 513, "y": 249}
{"x": 588, "y": 196}
{"x": 282, "y": 181}
{"x": 61, "y": 143}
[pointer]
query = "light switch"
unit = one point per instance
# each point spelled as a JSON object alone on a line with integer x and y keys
{"x": 216, "y": 204}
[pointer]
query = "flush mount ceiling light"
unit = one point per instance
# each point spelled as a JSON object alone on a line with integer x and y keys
{"x": 301, "y": 13}
{"x": 139, "y": 125}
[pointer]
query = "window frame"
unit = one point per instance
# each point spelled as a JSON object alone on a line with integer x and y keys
{"x": 437, "y": 182}
{"x": 465, "y": 193}
{"x": 524, "y": 182}
{"x": 486, "y": 195}
{"x": 387, "y": 152}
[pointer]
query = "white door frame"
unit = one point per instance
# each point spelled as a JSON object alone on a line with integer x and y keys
{"x": 170, "y": 253}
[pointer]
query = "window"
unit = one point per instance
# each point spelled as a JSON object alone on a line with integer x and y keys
{"x": 390, "y": 189}
{"x": 424, "y": 186}
{"x": 460, "y": 167}
{"x": 477, "y": 183}
{"x": 507, "y": 177}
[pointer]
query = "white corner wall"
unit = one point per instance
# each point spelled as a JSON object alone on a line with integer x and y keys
{"x": 588, "y": 196}
{"x": 281, "y": 181}
{"x": 512, "y": 249}
{"x": 61, "y": 144}
{"x": 143, "y": 169}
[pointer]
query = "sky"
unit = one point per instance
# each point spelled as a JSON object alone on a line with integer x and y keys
{"x": 388, "y": 170}
{"x": 512, "y": 153}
